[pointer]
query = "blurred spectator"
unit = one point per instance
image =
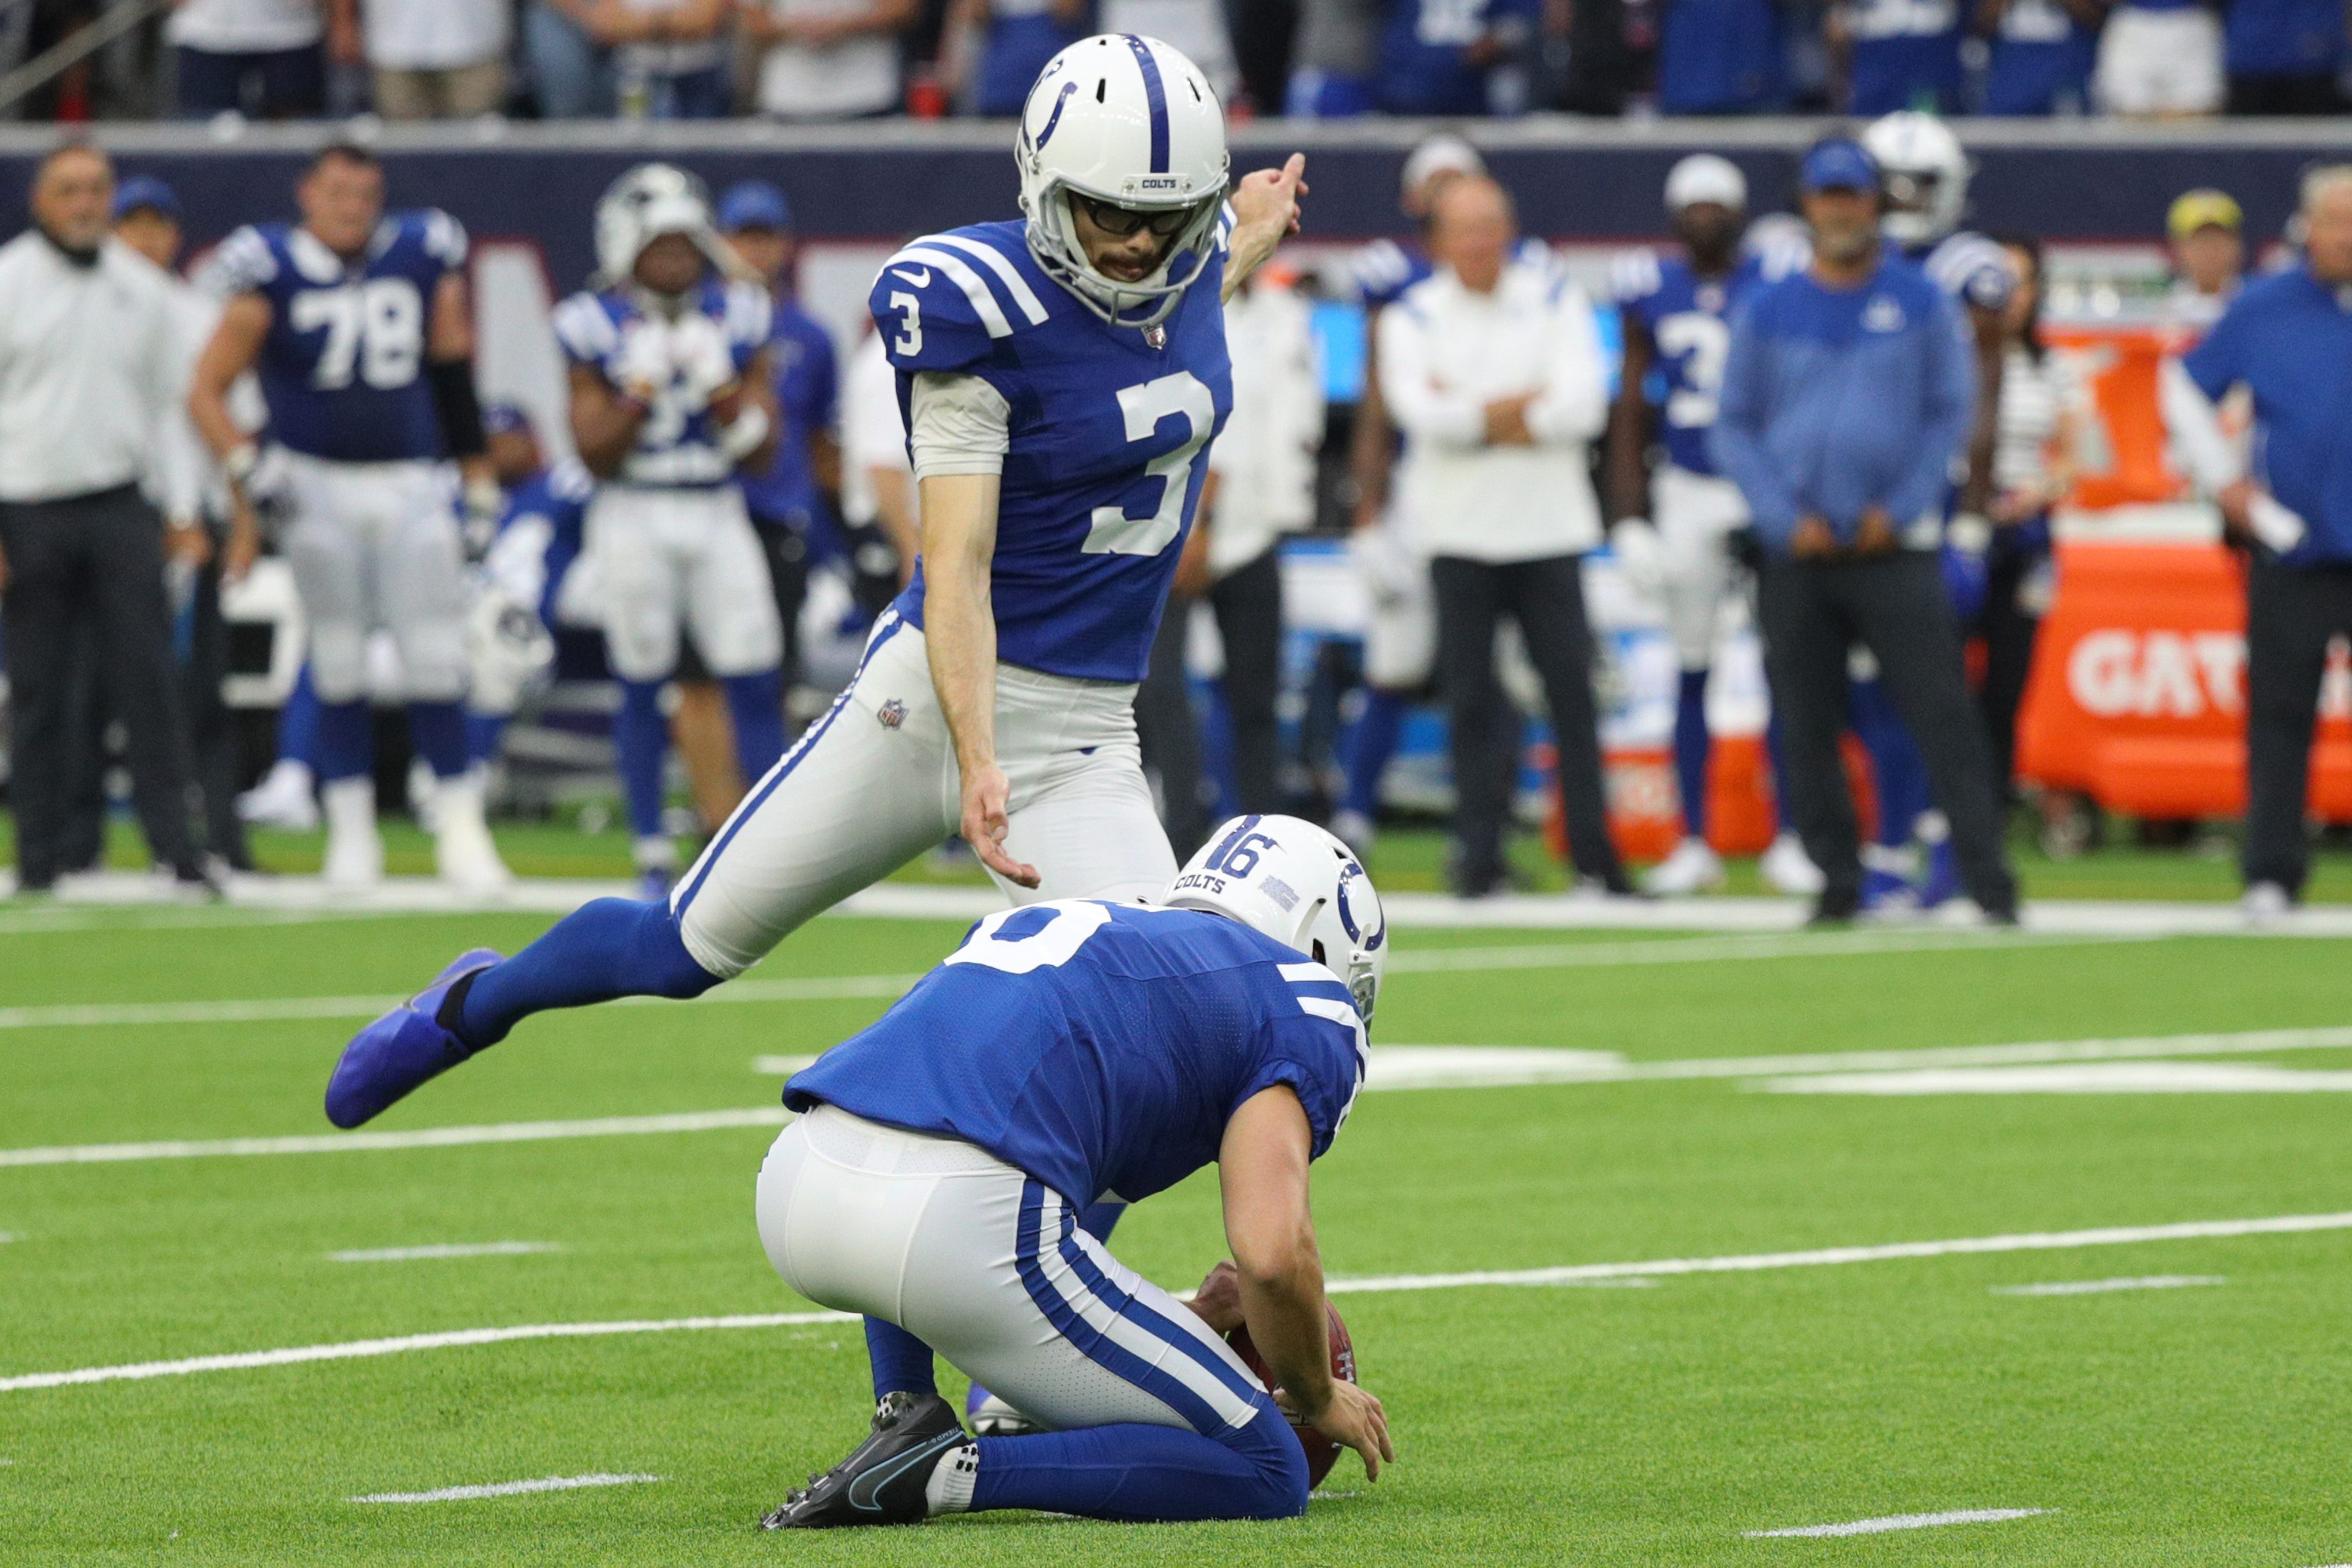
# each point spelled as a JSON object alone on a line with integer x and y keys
{"x": 1492, "y": 369}
{"x": 1197, "y": 28}
{"x": 2159, "y": 59}
{"x": 1011, "y": 40}
{"x": 1722, "y": 57}
{"x": 92, "y": 372}
{"x": 1899, "y": 54}
{"x": 827, "y": 59}
{"x": 2045, "y": 412}
{"x": 570, "y": 69}
{"x": 1847, "y": 392}
{"x": 1456, "y": 57}
{"x": 428, "y": 59}
{"x": 2209, "y": 259}
{"x": 1333, "y": 56}
{"x": 265, "y": 60}
{"x": 877, "y": 479}
{"x": 790, "y": 502}
{"x": 2288, "y": 339}
{"x": 2283, "y": 55}
{"x": 669, "y": 56}
{"x": 2042, "y": 51}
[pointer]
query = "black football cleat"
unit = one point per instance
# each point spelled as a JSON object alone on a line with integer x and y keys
{"x": 884, "y": 1479}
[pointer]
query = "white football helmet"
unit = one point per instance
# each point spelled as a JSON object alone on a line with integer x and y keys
{"x": 1296, "y": 883}
{"x": 1129, "y": 122}
{"x": 1926, "y": 175}
{"x": 649, "y": 201}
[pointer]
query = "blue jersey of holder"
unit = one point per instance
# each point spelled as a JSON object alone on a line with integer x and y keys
{"x": 1690, "y": 322}
{"x": 1109, "y": 428}
{"x": 677, "y": 441}
{"x": 342, "y": 369}
{"x": 1101, "y": 1048}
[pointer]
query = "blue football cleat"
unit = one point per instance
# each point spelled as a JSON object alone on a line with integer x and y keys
{"x": 401, "y": 1049}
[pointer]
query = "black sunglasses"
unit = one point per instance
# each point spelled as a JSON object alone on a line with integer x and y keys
{"x": 1124, "y": 223}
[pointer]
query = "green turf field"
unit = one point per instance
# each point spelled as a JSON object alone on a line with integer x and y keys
{"x": 1654, "y": 1418}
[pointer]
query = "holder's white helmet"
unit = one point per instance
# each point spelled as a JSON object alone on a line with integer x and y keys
{"x": 1296, "y": 883}
{"x": 1926, "y": 175}
{"x": 649, "y": 201}
{"x": 1130, "y": 122}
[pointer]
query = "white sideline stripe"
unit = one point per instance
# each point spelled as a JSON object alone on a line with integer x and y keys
{"x": 2101, "y": 1287}
{"x": 2076, "y": 1078}
{"x": 505, "y": 1488}
{"x": 1908, "y": 1521}
{"x": 1715, "y": 949}
{"x": 1573, "y": 1274}
{"x": 443, "y": 1250}
{"x": 352, "y": 1350}
{"x": 1740, "y": 1263}
{"x": 417, "y": 1138}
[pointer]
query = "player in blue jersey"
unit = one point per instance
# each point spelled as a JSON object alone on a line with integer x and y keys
{"x": 672, "y": 399}
{"x": 1062, "y": 377}
{"x": 356, "y": 323}
{"x": 1066, "y": 1050}
{"x": 1925, "y": 193}
{"x": 526, "y": 588}
{"x": 1676, "y": 311}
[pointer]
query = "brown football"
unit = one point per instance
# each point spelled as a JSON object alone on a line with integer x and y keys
{"x": 1321, "y": 1452}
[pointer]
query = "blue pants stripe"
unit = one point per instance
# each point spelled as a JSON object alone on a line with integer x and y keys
{"x": 1107, "y": 1291}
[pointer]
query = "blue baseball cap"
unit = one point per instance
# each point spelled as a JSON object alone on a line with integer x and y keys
{"x": 145, "y": 190}
{"x": 1839, "y": 163}
{"x": 753, "y": 205}
{"x": 503, "y": 416}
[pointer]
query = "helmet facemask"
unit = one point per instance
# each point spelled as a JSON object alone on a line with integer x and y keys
{"x": 1054, "y": 241}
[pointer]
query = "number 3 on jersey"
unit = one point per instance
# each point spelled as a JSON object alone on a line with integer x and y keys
{"x": 1116, "y": 531}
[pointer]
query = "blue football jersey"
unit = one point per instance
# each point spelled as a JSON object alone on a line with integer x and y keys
{"x": 808, "y": 395}
{"x": 1969, "y": 267}
{"x": 342, "y": 369}
{"x": 1385, "y": 269}
{"x": 1690, "y": 322}
{"x": 1101, "y": 1048}
{"x": 677, "y": 441}
{"x": 1108, "y": 428}
{"x": 552, "y": 506}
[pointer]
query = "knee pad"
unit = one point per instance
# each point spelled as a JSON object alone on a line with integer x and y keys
{"x": 338, "y": 661}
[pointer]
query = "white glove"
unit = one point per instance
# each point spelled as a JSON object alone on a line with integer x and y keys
{"x": 704, "y": 364}
{"x": 484, "y": 503}
{"x": 642, "y": 365}
{"x": 2273, "y": 524}
{"x": 1641, "y": 556}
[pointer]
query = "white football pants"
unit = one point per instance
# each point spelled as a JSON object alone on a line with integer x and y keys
{"x": 987, "y": 1265}
{"x": 374, "y": 547}
{"x": 1696, "y": 515}
{"x": 874, "y": 783}
{"x": 667, "y": 558}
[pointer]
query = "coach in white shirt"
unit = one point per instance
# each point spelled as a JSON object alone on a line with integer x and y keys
{"x": 1492, "y": 370}
{"x": 92, "y": 365}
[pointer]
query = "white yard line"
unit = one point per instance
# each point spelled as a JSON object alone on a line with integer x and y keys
{"x": 2101, "y": 1287}
{"x": 1908, "y": 1521}
{"x": 505, "y": 1488}
{"x": 418, "y": 1138}
{"x": 1574, "y": 1275}
{"x": 443, "y": 1250}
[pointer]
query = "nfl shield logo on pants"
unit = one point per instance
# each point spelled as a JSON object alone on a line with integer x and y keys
{"x": 892, "y": 713}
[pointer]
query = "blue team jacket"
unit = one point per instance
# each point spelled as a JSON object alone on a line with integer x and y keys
{"x": 1835, "y": 401}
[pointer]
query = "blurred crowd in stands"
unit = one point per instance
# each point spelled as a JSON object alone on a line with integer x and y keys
{"x": 824, "y": 61}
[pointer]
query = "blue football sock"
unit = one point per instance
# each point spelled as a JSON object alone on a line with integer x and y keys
{"x": 1690, "y": 751}
{"x": 345, "y": 741}
{"x": 437, "y": 731}
{"x": 1098, "y": 1219}
{"x": 1132, "y": 1471}
{"x": 755, "y": 704}
{"x": 483, "y": 733}
{"x": 298, "y": 721}
{"x": 1371, "y": 743}
{"x": 640, "y": 746}
{"x": 1897, "y": 772}
{"x": 612, "y": 947}
{"x": 902, "y": 1364}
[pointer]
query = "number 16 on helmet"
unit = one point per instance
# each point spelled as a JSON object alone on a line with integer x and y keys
{"x": 1290, "y": 880}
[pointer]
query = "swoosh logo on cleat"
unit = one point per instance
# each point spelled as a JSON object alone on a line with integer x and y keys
{"x": 864, "y": 1490}
{"x": 908, "y": 274}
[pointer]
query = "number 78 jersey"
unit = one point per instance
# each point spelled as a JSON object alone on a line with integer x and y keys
{"x": 1109, "y": 433}
{"x": 1689, "y": 318}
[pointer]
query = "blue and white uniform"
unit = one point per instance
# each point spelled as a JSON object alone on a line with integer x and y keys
{"x": 1099, "y": 432}
{"x": 668, "y": 539}
{"x": 1066, "y": 1052}
{"x": 372, "y": 531}
{"x": 540, "y": 537}
{"x": 1696, "y": 509}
